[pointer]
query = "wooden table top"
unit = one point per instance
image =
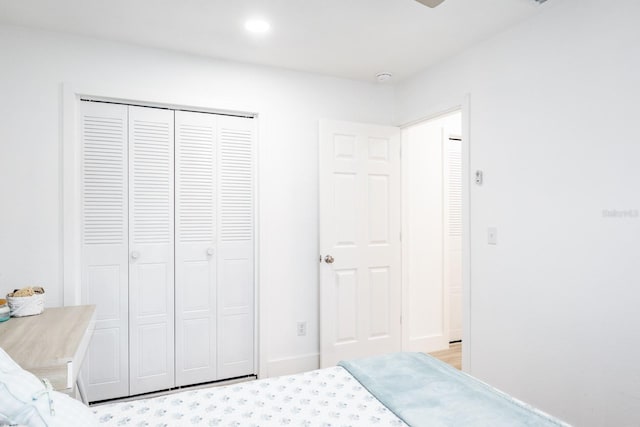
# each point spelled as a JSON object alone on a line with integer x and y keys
{"x": 48, "y": 340}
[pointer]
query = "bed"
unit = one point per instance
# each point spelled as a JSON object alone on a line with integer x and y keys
{"x": 324, "y": 397}
{"x": 390, "y": 390}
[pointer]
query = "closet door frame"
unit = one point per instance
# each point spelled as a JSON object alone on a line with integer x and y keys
{"x": 70, "y": 150}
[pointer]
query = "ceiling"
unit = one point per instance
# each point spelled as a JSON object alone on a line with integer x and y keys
{"x": 346, "y": 38}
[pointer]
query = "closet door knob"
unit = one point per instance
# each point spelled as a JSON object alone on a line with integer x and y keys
{"x": 329, "y": 259}
{"x": 209, "y": 251}
{"x": 135, "y": 255}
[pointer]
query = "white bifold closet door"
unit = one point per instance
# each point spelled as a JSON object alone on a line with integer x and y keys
{"x": 168, "y": 247}
{"x": 235, "y": 303}
{"x": 214, "y": 247}
{"x": 151, "y": 259}
{"x": 452, "y": 178}
{"x": 104, "y": 250}
{"x": 196, "y": 292}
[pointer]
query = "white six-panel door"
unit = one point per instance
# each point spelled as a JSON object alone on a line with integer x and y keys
{"x": 151, "y": 258}
{"x": 196, "y": 213}
{"x": 103, "y": 135}
{"x": 360, "y": 292}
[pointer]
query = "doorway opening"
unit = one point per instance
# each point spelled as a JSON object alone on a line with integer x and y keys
{"x": 432, "y": 244}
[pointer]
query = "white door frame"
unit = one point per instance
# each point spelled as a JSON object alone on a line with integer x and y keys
{"x": 463, "y": 105}
{"x": 70, "y": 186}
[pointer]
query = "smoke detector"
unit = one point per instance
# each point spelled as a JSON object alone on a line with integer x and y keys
{"x": 383, "y": 77}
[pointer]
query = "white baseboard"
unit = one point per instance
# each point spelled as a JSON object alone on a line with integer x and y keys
{"x": 455, "y": 335}
{"x": 427, "y": 344}
{"x": 292, "y": 365}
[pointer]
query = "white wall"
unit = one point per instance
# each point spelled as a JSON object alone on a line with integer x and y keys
{"x": 554, "y": 107}
{"x": 32, "y": 68}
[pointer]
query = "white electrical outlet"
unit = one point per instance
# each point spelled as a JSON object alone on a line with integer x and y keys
{"x": 302, "y": 329}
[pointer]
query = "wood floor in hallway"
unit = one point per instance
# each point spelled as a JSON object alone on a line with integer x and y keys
{"x": 452, "y": 356}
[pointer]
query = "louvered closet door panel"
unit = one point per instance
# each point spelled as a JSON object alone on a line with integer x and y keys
{"x": 236, "y": 146}
{"x": 103, "y": 136}
{"x": 196, "y": 358}
{"x": 453, "y": 234}
{"x": 151, "y": 236}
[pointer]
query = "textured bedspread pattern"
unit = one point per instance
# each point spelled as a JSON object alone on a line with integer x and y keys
{"x": 424, "y": 391}
{"x": 326, "y": 397}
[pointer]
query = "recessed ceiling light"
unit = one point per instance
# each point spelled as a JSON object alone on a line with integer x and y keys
{"x": 257, "y": 26}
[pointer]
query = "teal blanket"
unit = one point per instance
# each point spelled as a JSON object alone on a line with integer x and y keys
{"x": 424, "y": 391}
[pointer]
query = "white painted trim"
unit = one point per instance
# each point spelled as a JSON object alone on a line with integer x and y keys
{"x": 71, "y": 268}
{"x": 426, "y": 344}
{"x": 463, "y": 105}
{"x": 70, "y": 198}
{"x": 432, "y": 116}
{"x": 466, "y": 234}
{"x": 404, "y": 244}
{"x": 260, "y": 318}
{"x": 293, "y": 365}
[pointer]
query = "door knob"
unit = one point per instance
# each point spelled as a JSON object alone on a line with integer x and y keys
{"x": 135, "y": 255}
{"x": 209, "y": 251}
{"x": 329, "y": 259}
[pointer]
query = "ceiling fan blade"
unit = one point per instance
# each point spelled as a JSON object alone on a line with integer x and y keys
{"x": 430, "y": 3}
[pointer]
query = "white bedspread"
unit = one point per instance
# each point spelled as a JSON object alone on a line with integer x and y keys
{"x": 326, "y": 397}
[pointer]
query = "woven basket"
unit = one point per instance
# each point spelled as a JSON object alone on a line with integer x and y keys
{"x": 26, "y": 306}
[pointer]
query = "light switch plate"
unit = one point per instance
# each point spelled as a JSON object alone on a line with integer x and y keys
{"x": 492, "y": 235}
{"x": 302, "y": 329}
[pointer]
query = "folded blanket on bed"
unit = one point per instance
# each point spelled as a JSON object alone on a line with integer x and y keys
{"x": 424, "y": 391}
